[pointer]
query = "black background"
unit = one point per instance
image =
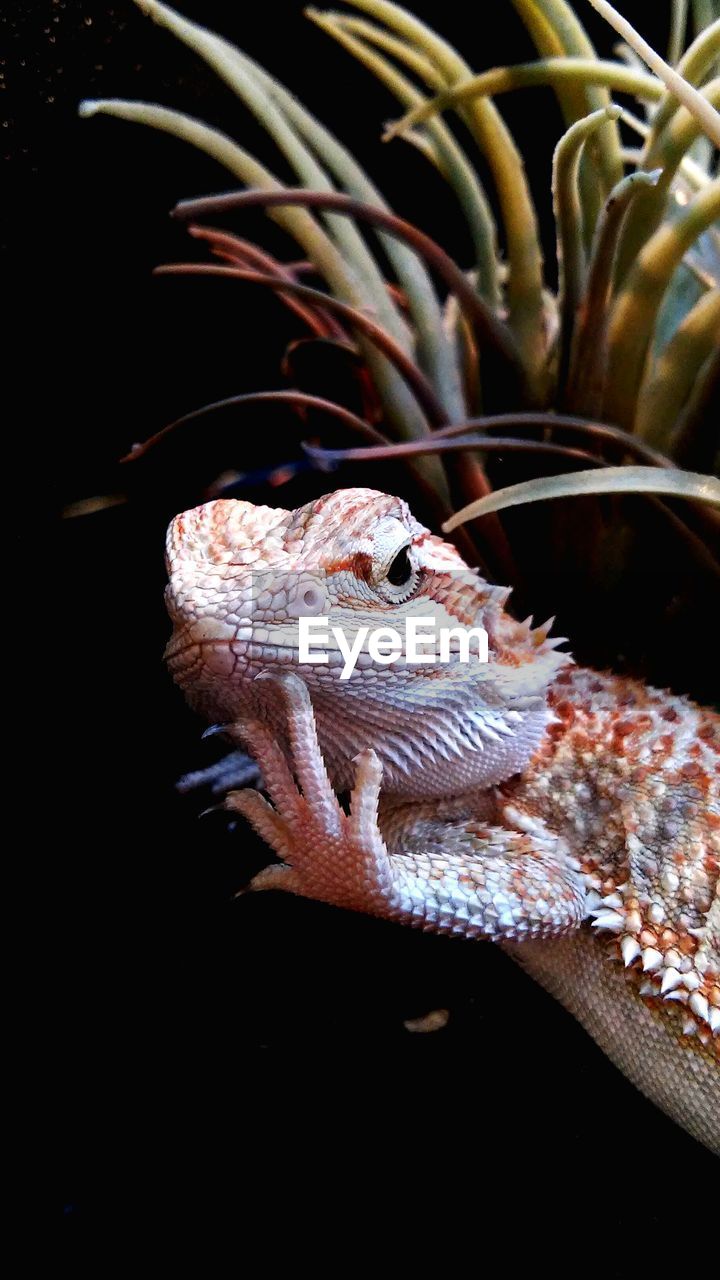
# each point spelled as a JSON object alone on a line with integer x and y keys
{"x": 245, "y": 1057}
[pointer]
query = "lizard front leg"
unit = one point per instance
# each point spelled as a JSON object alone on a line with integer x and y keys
{"x": 435, "y": 870}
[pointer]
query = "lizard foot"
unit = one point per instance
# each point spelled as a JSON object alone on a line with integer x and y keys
{"x": 328, "y": 854}
{"x": 463, "y": 877}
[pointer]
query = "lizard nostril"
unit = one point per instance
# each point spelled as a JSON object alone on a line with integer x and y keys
{"x": 311, "y": 598}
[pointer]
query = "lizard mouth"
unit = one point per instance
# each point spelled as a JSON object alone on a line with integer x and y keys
{"x": 197, "y": 635}
{"x": 226, "y": 655}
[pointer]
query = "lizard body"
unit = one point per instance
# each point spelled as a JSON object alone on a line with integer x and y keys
{"x": 571, "y": 816}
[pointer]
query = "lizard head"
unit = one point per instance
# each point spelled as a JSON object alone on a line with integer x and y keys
{"x": 246, "y": 581}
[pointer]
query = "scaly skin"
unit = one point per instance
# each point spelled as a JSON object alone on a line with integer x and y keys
{"x": 573, "y": 817}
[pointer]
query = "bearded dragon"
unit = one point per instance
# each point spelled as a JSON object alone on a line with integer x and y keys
{"x": 570, "y": 816}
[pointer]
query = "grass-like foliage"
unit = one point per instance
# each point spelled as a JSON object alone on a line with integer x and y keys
{"x": 607, "y": 379}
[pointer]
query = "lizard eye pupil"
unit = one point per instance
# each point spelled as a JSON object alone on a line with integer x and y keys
{"x": 400, "y": 570}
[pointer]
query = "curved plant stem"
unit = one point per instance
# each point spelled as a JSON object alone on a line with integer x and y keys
{"x": 226, "y": 61}
{"x": 693, "y": 173}
{"x": 418, "y": 383}
{"x": 400, "y": 407}
{"x": 298, "y": 134}
{"x": 628, "y": 480}
{"x": 708, "y": 118}
{"x": 326, "y": 459}
{"x": 422, "y": 448}
{"x": 243, "y": 166}
{"x": 362, "y": 270}
{"x": 681, "y": 130}
{"x": 556, "y": 32}
{"x": 435, "y": 352}
{"x": 300, "y": 400}
{"x": 678, "y": 23}
{"x": 694, "y": 64}
{"x": 244, "y": 253}
{"x": 525, "y": 283}
{"x": 491, "y": 330}
{"x": 597, "y": 432}
{"x": 443, "y": 150}
{"x": 589, "y": 349}
{"x": 693, "y": 445}
{"x": 544, "y": 72}
{"x": 294, "y": 399}
{"x": 635, "y": 311}
{"x": 676, "y": 371}
{"x": 408, "y": 54}
{"x": 329, "y": 458}
{"x": 568, "y": 220}
{"x": 667, "y": 153}
{"x": 703, "y": 12}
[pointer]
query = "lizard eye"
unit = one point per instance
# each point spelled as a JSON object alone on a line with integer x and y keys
{"x": 392, "y": 570}
{"x": 401, "y": 570}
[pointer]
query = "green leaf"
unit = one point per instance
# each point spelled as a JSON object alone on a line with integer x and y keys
{"x": 670, "y": 383}
{"x": 525, "y": 283}
{"x": 569, "y": 225}
{"x": 636, "y": 308}
{"x": 444, "y": 151}
{"x": 557, "y": 32}
{"x": 667, "y": 152}
{"x": 525, "y": 75}
{"x": 589, "y": 349}
{"x": 676, "y": 484}
{"x": 364, "y": 282}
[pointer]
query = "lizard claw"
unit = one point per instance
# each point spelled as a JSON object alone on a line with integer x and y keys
{"x": 276, "y": 876}
{"x": 216, "y": 730}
